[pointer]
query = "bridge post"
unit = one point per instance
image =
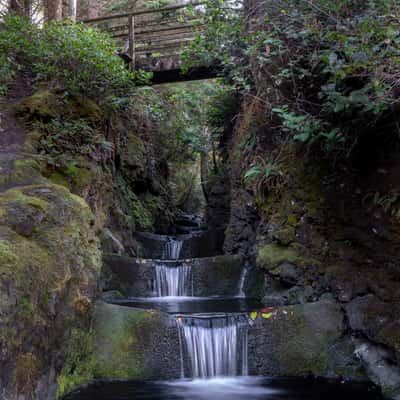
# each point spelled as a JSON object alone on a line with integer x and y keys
{"x": 131, "y": 29}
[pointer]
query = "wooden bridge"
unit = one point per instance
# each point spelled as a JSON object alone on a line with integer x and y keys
{"x": 152, "y": 40}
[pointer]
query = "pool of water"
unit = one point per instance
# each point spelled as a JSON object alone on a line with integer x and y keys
{"x": 188, "y": 305}
{"x": 242, "y": 388}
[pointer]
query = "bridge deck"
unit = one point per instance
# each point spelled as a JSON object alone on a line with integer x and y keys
{"x": 152, "y": 40}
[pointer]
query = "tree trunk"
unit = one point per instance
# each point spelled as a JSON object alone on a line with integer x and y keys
{"x": 93, "y": 9}
{"x": 21, "y": 7}
{"x": 53, "y": 10}
{"x": 72, "y": 9}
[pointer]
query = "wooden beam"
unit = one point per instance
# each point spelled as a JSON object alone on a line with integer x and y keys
{"x": 144, "y": 12}
{"x": 159, "y": 49}
{"x": 176, "y": 75}
{"x": 165, "y": 39}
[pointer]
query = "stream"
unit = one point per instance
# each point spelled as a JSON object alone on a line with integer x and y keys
{"x": 213, "y": 336}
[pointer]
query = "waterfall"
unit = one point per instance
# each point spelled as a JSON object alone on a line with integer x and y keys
{"x": 216, "y": 345}
{"x": 172, "y": 249}
{"x": 173, "y": 281}
{"x": 242, "y": 282}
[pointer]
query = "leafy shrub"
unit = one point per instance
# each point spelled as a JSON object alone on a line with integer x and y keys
{"x": 265, "y": 176}
{"x": 329, "y": 69}
{"x": 75, "y": 57}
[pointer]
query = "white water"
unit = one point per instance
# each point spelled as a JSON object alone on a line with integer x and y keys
{"x": 242, "y": 282}
{"x": 239, "y": 388}
{"x": 215, "y": 345}
{"x": 173, "y": 281}
{"x": 172, "y": 249}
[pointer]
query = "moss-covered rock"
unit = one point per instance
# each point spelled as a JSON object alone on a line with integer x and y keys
{"x": 273, "y": 255}
{"x": 49, "y": 268}
{"x": 134, "y": 344}
{"x": 305, "y": 340}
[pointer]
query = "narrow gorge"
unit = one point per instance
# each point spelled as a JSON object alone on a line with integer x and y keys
{"x": 199, "y": 200}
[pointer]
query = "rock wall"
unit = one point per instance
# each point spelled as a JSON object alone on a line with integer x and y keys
{"x": 49, "y": 269}
{"x": 319, "y": 229}
{"x": 57, "y": 211}
{"x": 130, "y": 343}
{"x": 210, "y": 276}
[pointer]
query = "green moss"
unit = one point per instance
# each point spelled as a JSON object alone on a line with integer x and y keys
{"x": 142, "y": 216}
{"x": 135, "y": 151}
{"x": 292, "y": 220}
{"x": 20, "y": 196}
{"x": 84, "y": 107}
{"x": 59, "y": 179}
{"x": 43, "y": 104}
{"x": 122, "y": 337}
{"x": 8, "y": 258}
{"x": 26, "y": 306}
{"x": 79, "y": 177}
{"x": 79, "y": 366}
{"x": 272, "y": 255}
{"x": 21, "y": 172}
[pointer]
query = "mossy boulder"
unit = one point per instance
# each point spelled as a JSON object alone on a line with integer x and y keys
{"x": 134, "y": 154}
{"x": 45, "y": 105}
{"x": 42, "y": 104}
{"x": 304, "y": 340}
{"x": 134, "y": 344}
{"x": 273, "y": 255}
{"x": 49, "y": 268}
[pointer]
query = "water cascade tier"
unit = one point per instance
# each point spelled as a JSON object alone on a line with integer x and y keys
{"x": 173, "y": 281}
{"x": 184, "y": 311}
{"x": 172, "y": 249}
{"x": 215, "y": 344}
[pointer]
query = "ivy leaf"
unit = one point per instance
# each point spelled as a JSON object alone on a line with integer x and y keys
{"x": 254, "y": 315}
{"x": 266, "y": 315}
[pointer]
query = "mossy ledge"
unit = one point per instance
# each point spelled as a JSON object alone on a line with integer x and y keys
{"x": 49, "y": 268}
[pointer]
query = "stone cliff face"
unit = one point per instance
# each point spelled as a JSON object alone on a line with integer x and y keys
{"x": 55, "y": 217}
{"x": 321, "y": 231}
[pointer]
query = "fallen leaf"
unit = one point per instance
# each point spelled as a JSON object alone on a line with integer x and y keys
{"x": 266, "y": 315}
{"x": 254, "y": 315}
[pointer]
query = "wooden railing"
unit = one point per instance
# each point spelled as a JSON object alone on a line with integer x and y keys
{"x": 152, "y": 33}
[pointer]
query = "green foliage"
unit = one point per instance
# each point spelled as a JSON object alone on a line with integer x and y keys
{"x": 328, "y": 68}
{"x": 265, "y": 176}
{"x": 220, "y": 42}
{"x": 222, "y": 108}
{"x": 308, "y": 129}
{"x": 75, "y": 57}
{"x": 79, "y": 367}
{"x": 62, "y": 138}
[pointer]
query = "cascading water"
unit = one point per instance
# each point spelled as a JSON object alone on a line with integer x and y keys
{"x": 172, "y": 249}
{"x": 216, "y": 345}
{"x": 173, "y": 281}
{"x": 242, "y": 282}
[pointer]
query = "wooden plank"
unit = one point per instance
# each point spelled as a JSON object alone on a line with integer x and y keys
{"x": 160, "y": 49}
{"x": 165, "y": 39}
{"x": 144, "y": 12}
{"x": 151, "y": 31}
{"x": 169, "y": 28}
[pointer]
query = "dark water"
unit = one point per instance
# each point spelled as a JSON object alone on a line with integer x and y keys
{"x": 188, "y": 305}
{"x": 246, "y": 388}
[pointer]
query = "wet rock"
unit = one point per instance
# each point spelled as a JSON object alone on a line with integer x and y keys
{"x": 379, "y": 365}
{"x": 376, "y": 320}
{"x": 210, "y": 276}
{"x": 288, "y": 273}
{"x": 134, "y": 344}
{"x": 301, "y": 340}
